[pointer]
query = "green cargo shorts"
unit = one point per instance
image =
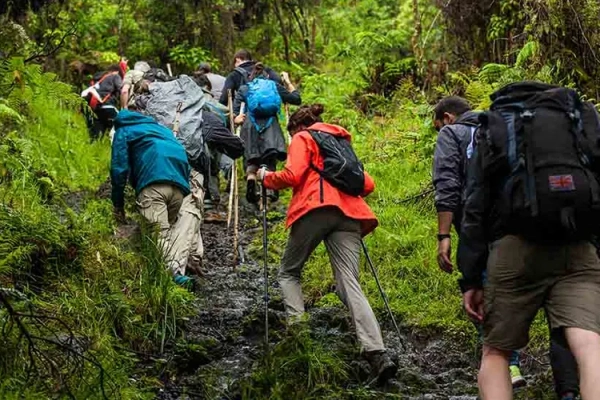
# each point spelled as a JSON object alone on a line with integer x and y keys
{"x": 524, "y": 277}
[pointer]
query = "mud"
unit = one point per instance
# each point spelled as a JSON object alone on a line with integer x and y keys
{"x": 224, "y": 341}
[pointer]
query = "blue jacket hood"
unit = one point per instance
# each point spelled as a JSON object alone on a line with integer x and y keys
{"x": 127, "y": 117}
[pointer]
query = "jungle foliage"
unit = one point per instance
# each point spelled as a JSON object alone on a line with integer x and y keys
{"x": 94, "y": 304}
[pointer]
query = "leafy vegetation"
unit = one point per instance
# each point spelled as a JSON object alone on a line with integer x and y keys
{"x": 73, "y": 292}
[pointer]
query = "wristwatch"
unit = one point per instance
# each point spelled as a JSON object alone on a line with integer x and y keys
{"x": 442, "y": 236}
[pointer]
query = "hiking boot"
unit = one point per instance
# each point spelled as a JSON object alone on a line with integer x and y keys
{"x": 251, "y": 191}
{"x": 184, "y": 281}
{"x": 381, "y": 366}
{"x": 516, "y": 377}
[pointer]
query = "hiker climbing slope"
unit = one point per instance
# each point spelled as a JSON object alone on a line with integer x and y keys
{"x": 262, "y": 135}
{"x": 533, "y": 198}
{"x": 132, "y": 78}
{"x": 157, "y": 166}
{"x": 103, "y": 98}
{"x": 180, "y": 104}
{"x": 243, "y": 66}
{"x": 320, "y": 211}
{"x": 457, "y": 126}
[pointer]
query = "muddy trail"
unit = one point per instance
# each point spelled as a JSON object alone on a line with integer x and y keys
{"x": 223, "y": 344}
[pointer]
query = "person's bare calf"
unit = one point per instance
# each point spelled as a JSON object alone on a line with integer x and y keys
{"x": 494, "y": 378}
{"x": 585, "y": 346}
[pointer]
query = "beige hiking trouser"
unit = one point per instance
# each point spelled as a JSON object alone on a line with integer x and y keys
{"x": 185, "y": 235}
{"x": 342, "y": 237}
{"x": 159, "y": 204}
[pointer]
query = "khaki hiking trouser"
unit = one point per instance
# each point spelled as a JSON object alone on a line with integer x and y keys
{"x": 185, "y": 235}
{"x": 342, "y": 238}
{"x": 159, "y": 204}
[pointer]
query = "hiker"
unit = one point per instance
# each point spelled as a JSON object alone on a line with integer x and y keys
{"x": 217, "y": 82}
{"x": 243, "y": 67}
{"x": 188, "y": 245}
{"x": 132, "y": 77}
{"x": 456, "y": 125}
{"x": 180, "y": 105}
{"x": 157, "y": 167}
{"x": 536, "y": 208}
{"x": 103, "y": 97}
{"x": 261, "y": 133}
{"x": 213, "y": 195}
{"x": 320, "y": 212}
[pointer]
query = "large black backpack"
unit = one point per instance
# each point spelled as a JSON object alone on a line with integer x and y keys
{"x": 341, "y": 167}
{"x": 540, "y": 149}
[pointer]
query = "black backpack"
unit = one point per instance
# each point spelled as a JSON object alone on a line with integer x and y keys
{"x": 540, "y": 149}
{"x": 341, "y": 168}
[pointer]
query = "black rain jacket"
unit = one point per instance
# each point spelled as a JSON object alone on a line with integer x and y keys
{"x": 235, "y": 80}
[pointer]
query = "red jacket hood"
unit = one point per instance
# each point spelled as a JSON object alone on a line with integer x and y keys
{"x": 334, "y": 130}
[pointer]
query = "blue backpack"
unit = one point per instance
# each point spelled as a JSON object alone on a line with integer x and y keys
{"x": 263, "y": 101}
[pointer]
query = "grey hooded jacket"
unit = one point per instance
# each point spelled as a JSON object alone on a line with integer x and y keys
{"x": 453, "y": 148}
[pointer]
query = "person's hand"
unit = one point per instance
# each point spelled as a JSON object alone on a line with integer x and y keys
{"x": 119, "y": 215}
{"x": 285, "y": 78}
{"x": 444, "y": 253}
{"x": 473, "y": 302}
{"x": 260, "y": 174}
{"x": 240, "y": 119}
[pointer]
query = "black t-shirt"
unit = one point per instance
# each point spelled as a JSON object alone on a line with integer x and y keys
{"x": 111, "y": 85}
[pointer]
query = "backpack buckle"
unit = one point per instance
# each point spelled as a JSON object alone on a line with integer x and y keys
{"x": 527, "y": 115}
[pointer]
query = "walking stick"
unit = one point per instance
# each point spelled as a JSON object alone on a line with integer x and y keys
{"x": 383, "y": 295}
{"x": 233, "y": 172}
{"x": 287, "y": 121}
{"x": 266, "y": 267}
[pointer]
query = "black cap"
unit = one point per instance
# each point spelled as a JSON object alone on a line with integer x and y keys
{"x": 204, "y": 66}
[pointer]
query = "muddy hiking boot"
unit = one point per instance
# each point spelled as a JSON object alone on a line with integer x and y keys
{"x": 382, "y": 367}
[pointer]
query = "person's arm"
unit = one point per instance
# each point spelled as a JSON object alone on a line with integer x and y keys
{"x": 230, "y": 84}
{"x": 220, "y": 138}
{"x": 289, "y": 96}
{"x": 119, "y": 168}
{"x": 473, "y": 241}
{"x": 447, "y": 179}
{"x": 448, "y": 191}
{"x": 125, "y": 95}
{"x": 296, "y": 166}
{"x": 240, "y": 97}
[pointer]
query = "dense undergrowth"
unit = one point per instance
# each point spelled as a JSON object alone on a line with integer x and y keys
{"x": 77, "y": 303}
{"x": 81, "y": 305}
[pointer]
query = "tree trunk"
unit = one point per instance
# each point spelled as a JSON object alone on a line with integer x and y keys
{"x": 284, "y": 30}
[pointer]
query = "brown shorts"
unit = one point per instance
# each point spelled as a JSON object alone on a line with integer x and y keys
{"x": 524, "y": 277}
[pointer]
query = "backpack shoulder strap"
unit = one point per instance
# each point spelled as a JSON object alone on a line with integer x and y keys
{"x": 243, "y": 72}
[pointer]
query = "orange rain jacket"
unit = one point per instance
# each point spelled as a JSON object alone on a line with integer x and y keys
{"x": 304, "y": 181}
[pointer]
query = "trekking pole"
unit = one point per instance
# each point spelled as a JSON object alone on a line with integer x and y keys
{"x": 266, "y": 267}
{"x": 233, "y": 172}
{"x": 287, "y": 121}
{"x": 169, "y": 69}
{"x": 236, "y": 205}
{"x": 383, "y": 295}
